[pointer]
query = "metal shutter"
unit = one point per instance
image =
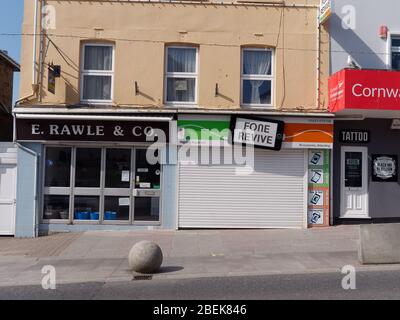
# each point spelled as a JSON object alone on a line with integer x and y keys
{"x": 273, "y": 196}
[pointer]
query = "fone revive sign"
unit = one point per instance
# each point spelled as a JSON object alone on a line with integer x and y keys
{"x": 262, "y": 133}
{"x": 364, "y": 89}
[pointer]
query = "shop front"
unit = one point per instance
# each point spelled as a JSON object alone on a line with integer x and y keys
{"x": 95, "y": 172}
{"x": 253, "y": 172}
{"x": 366, "y": 148}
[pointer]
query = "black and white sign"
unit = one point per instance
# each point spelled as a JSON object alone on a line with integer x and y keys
{"x": 261, "y": 133}
{"x": 384, "y": 168}
{"x": 354, "y": 136}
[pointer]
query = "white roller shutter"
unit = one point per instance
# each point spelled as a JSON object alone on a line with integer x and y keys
{"x": 273, "y": 196}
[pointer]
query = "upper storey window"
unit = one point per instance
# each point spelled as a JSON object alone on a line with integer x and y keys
{"x": 181, "y": 75}
{"x": 97, "y": 73}
{"x": 395, "y": 53}
{"x": 257, "y": 77}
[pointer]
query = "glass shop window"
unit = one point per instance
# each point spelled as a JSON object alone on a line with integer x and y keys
{"x": 118, "y": 168}
{"x": 116, "y": 208}
{"x": 87, "y": 208}
{"x": 147, "y": 208}
{"x": 56, "y": 207}
{"x": 58, "y": 167}
{"x": 147, "y": 176}
{"x": 88, "y": 168}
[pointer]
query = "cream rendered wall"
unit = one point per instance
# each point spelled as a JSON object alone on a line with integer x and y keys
{"x": 140, "y": 32}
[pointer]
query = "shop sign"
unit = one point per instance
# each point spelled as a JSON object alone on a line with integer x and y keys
{"x": 354, "y": 136}
{"x": 384, "y": 168}
{"x": 261, "y": 133}
{"x": 91, "y": 130}
{"x": 211, "y": 132}
{"x": 325, "y": 11}
{"x": 351, "y": 89}
{"x": 308, "y": 133}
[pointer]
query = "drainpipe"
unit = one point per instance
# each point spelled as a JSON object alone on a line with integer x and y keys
{"x": 41, "y": 51}
{"x": 35, "y": 193}
{"x": 34, "y": 42}
{"x": 318, "y": 97}
{"x": 34, "y": 49}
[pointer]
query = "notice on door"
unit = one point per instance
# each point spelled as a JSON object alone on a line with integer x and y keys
{"x": 262, "y": 133}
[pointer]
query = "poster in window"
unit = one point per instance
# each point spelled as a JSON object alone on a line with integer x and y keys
{"x": 384, "y": 168}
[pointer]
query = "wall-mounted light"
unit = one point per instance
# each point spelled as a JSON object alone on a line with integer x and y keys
{"x": 383, "y": 32}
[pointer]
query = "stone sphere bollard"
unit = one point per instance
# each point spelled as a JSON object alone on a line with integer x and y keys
{"x": 145, "y": 257}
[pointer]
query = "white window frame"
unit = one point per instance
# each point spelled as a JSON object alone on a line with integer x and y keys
{"x": 391, "y": 35}
{"x": 181, "y": 75}
{"x": 270, "y": 77}
{"x": 84, "y": 72}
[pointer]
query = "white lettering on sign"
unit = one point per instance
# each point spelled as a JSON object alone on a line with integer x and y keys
{"x": 359, "y": 90}
{"x": 74, "y": 130}
{"x": 35, "y": 129}
{"x": 355, "y": 136}
{"x": 54, "y": 129}
{"x": 255, "y": 132}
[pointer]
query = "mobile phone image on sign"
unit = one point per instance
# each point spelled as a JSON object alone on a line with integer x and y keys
{"x": 316, "y": 158}
{"x": 316, "y": 198}
{"x": 316, "y": 217}
{"x": 316, "y": 176}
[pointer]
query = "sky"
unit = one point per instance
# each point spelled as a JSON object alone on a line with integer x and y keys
{"x": 11, "y": 14}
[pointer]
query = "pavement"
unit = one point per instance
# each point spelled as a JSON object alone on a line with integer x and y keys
{"x": 101, "y": 256}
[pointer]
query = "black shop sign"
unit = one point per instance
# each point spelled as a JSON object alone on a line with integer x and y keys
{"x": 354, "y": 136}
{"x": 92, "y": 130}
{"x": 258, "y": 132}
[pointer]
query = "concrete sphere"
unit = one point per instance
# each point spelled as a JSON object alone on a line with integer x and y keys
{"x": 145, "y": 257}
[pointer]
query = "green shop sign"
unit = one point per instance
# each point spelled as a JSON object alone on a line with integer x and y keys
{"x": 203, "y": 130}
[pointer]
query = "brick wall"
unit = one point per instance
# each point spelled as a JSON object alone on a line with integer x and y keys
{"x": 6, "y": 82}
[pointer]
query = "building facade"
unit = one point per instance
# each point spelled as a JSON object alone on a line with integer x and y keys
{"x": 107, "y": 84}
{"x": 364, "y": 97}
{"x": 8, "y": 152}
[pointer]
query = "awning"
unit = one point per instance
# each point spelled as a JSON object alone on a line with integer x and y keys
{"x": 365, "y": 93}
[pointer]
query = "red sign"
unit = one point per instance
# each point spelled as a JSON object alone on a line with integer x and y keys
{"x": 364, "y": 89}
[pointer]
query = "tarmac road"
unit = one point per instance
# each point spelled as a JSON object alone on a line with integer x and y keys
{"x": 369, "y": 285}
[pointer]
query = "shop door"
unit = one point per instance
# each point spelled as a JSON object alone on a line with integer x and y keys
{"x": 354, "y": 182}
{"x": 7, "y": 199}
{"x": 147, "y": 190}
